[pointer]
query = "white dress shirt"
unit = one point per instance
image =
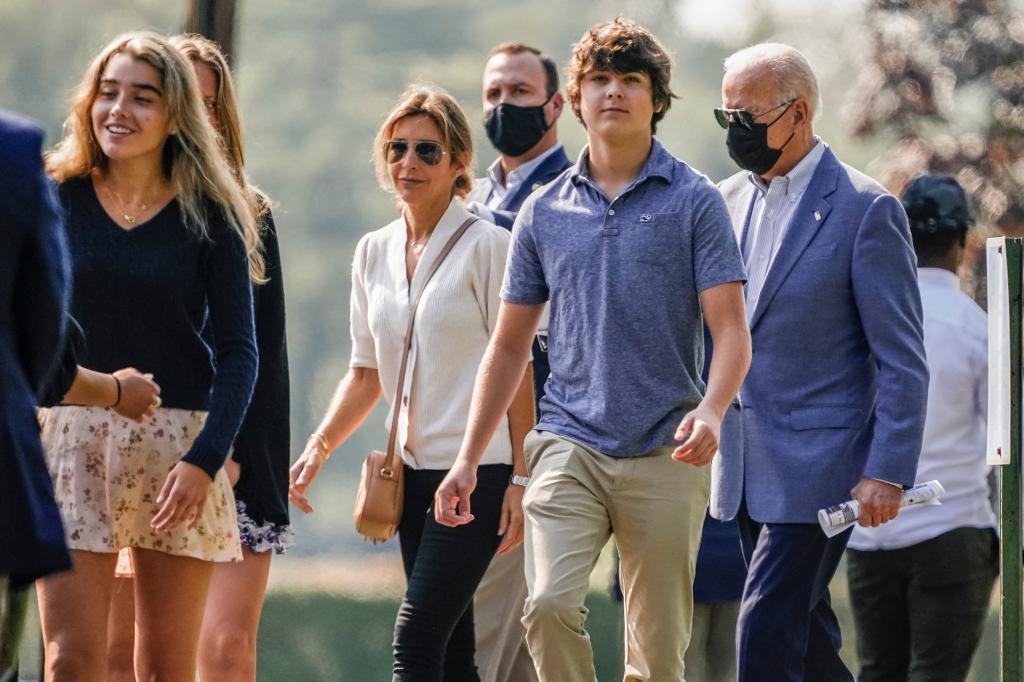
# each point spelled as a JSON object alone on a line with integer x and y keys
{"x": 504, "y": 184}
{"x": 454, "y": 322}
{"x": 774, "y": 206}
{"x": 953, "y": 453}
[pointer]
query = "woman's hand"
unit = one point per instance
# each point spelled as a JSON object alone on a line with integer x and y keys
{"x": 182, "y": 498}
{"x": 233, "y": 469}
{"x": 140, "y": 395}
{"x": 511, "y": 525}
{"x": 302, "y": 474}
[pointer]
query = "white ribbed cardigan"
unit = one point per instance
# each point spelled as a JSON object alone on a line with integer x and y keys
{"x": 454, "y": 322}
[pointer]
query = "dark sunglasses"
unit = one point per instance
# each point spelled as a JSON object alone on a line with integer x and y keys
{"x": 430, "y": 152}
{"x": 746, "y": 118}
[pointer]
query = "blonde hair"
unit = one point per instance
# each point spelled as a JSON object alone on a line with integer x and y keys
{"x": 789, "y": 70}
{"x": 441, "y": 108}
{"x": 200, "y": 49}
{"x": 193, "y": 159}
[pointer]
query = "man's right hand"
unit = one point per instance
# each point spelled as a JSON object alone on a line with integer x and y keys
{"x": 699, "y": 432}
{"x": 451, "y": 501}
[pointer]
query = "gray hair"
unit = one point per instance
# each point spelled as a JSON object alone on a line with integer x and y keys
{"x": 789, "y": 69}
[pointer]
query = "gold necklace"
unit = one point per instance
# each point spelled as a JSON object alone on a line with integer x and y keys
{"x": 421, "y": 240}
{"x": 130, "y": 219}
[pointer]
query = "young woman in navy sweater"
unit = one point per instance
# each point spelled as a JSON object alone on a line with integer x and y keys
{"x": 163, "y": 243}
{"x": 258, "y": 465}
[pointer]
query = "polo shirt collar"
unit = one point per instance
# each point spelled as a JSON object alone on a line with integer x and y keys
{"x": 659, "y": 164}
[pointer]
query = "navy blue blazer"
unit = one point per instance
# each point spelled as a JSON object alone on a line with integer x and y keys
{"x": 505, "y": 215}
{"x": 549, "y": 169}
{"x": 838, "y": 385}
{"x": 34, "y": 289}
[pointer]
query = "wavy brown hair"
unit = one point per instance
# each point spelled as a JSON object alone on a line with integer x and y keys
{"x": 193, "y": 159}
{"x": 441, "y": 108}
{"x": 622, "y": 46}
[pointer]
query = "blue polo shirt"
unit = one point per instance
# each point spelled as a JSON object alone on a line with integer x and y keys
{"x": 625, "y": 342}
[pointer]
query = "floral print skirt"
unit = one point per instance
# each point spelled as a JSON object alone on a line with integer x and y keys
{"x": 108, "y": 471}
{"x": 258, "y": 538}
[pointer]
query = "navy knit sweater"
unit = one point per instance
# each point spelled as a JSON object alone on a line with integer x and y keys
{"x": 143, "y": 296}
{"x": 263, "y": 446}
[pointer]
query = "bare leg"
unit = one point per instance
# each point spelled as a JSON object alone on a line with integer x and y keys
{"x": 170, "y": 592}
{"x": 73, "y": 609}
{"x": 227, "y": 643}
{"x": 121, "y": 632}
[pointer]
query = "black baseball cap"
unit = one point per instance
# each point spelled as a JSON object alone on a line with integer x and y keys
{"x": 937, "y": 204}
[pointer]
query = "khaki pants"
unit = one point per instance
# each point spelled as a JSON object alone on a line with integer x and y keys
{"x": 576, "y": 499}
{"x": 501, "y": 652}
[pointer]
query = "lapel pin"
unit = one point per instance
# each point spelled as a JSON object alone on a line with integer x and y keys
{"x": 645, "y": 217}
{"x": 817, "y": 215}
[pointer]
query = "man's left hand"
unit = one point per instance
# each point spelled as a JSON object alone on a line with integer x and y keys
{"x": 699, "y": 432}
{"x": 879, "y": 501}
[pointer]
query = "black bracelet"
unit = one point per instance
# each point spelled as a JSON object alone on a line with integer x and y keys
{"x": 118, "y": 383}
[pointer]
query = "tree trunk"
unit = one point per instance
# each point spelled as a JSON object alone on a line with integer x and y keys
{"x": 214, "y": 19}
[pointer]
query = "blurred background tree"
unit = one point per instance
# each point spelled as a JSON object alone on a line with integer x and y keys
{"x": 946, "y": 83}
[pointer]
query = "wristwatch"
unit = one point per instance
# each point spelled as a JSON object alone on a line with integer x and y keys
{"x": 519, "y": 480}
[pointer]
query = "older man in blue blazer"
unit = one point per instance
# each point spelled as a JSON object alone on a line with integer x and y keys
{"x": 34, "y": 281}
{"x": 834, "y": 403}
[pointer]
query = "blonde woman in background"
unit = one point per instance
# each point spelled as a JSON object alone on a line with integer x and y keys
{"x": 258, "y": 466}
{"x": 163, "y": 242}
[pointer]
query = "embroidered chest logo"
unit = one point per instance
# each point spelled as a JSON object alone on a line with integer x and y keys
{"x": 645, "y": 217}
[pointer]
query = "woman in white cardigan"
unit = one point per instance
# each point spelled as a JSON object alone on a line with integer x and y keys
{"x": 423, "y": 153}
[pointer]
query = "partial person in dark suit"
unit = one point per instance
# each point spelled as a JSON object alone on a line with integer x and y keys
{"x": 834, "y": 403}
{"x": 522, "y": 104}
{"x": 34, "y": 289}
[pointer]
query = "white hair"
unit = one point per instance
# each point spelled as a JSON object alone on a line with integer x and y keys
{"x": 789, "y": 69}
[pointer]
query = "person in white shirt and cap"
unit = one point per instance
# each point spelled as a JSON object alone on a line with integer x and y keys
{"x": 932, "y": 567}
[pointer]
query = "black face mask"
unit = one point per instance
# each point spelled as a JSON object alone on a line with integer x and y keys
{"x": 514, "y": 130}
{"x": 748, "y": 145}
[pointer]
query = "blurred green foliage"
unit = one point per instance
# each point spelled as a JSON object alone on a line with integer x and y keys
{"x": 314, "y": 637}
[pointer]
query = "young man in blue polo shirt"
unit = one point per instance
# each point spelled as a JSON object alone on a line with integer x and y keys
{"x": 634, "y": 250}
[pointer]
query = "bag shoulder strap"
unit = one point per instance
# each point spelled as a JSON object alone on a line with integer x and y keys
{"x": 391, "y": 461}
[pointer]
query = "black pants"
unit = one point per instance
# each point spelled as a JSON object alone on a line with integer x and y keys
{"x": 920, "y": 610}
{"x": 434, "y": 635}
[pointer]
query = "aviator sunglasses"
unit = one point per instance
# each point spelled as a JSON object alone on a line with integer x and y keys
{"x": 746, "y": 118}
{"x": 430, "y": 152}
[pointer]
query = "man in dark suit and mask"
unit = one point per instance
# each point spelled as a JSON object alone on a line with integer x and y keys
{"x": 522, "y": 104}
